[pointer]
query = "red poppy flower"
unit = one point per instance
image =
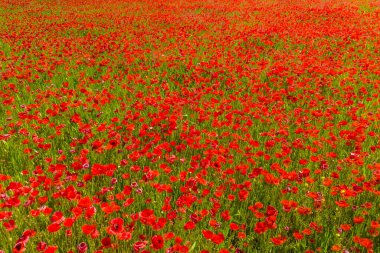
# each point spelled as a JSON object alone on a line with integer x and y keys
{"x": 54, "y": 227}
{"x": 304, "y": 210}
{"x": 342, "y": 203}
{"x": 41, "y": 246}
{"x": 345, "y": 227}
{"x": 124, "y": 236}
{"x": 234, "y": 226}
{"x": 88, "y": 229}
{"x": 115, "y": 226}
{"x": 85, "y": 202}
{"x": 69, "y": 222}
{"x": 157, "y": 242}
{"x": 51, "y": 249}
{"x": 278, "y": 240}
{"x": 260, "y": 227}
{"x": 82, "y": 247}
{"x": 358, "y": 219}
{"x": 217, "y": 238}
{"x": 365, "y": 242}
{"x": 10, "y": 225}
{"x": 243, "y": 195}
{"x": 298, "y": 235}
{"x": 189, "y": 225}
{"x": 207, "y": 234}
{"x": 139, "y": 245}
{"x": 106, "y": 242}
{"x": 19, "y": 247}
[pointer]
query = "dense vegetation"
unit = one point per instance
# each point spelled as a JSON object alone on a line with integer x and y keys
{"x": 189, "y": 126}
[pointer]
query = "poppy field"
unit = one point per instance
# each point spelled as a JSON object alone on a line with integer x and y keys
{"x": 208, "y": 126}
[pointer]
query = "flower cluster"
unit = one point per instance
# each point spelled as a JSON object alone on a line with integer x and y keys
{"x": 189, "y": 126}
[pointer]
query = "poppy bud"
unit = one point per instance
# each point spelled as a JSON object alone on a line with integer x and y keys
{"x": 82, "y": 247}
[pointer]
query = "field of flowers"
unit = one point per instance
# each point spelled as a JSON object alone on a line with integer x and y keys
{"x": 189, "y": 126}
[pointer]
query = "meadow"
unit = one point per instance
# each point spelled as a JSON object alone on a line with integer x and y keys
{"x": 208, "y": 126}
